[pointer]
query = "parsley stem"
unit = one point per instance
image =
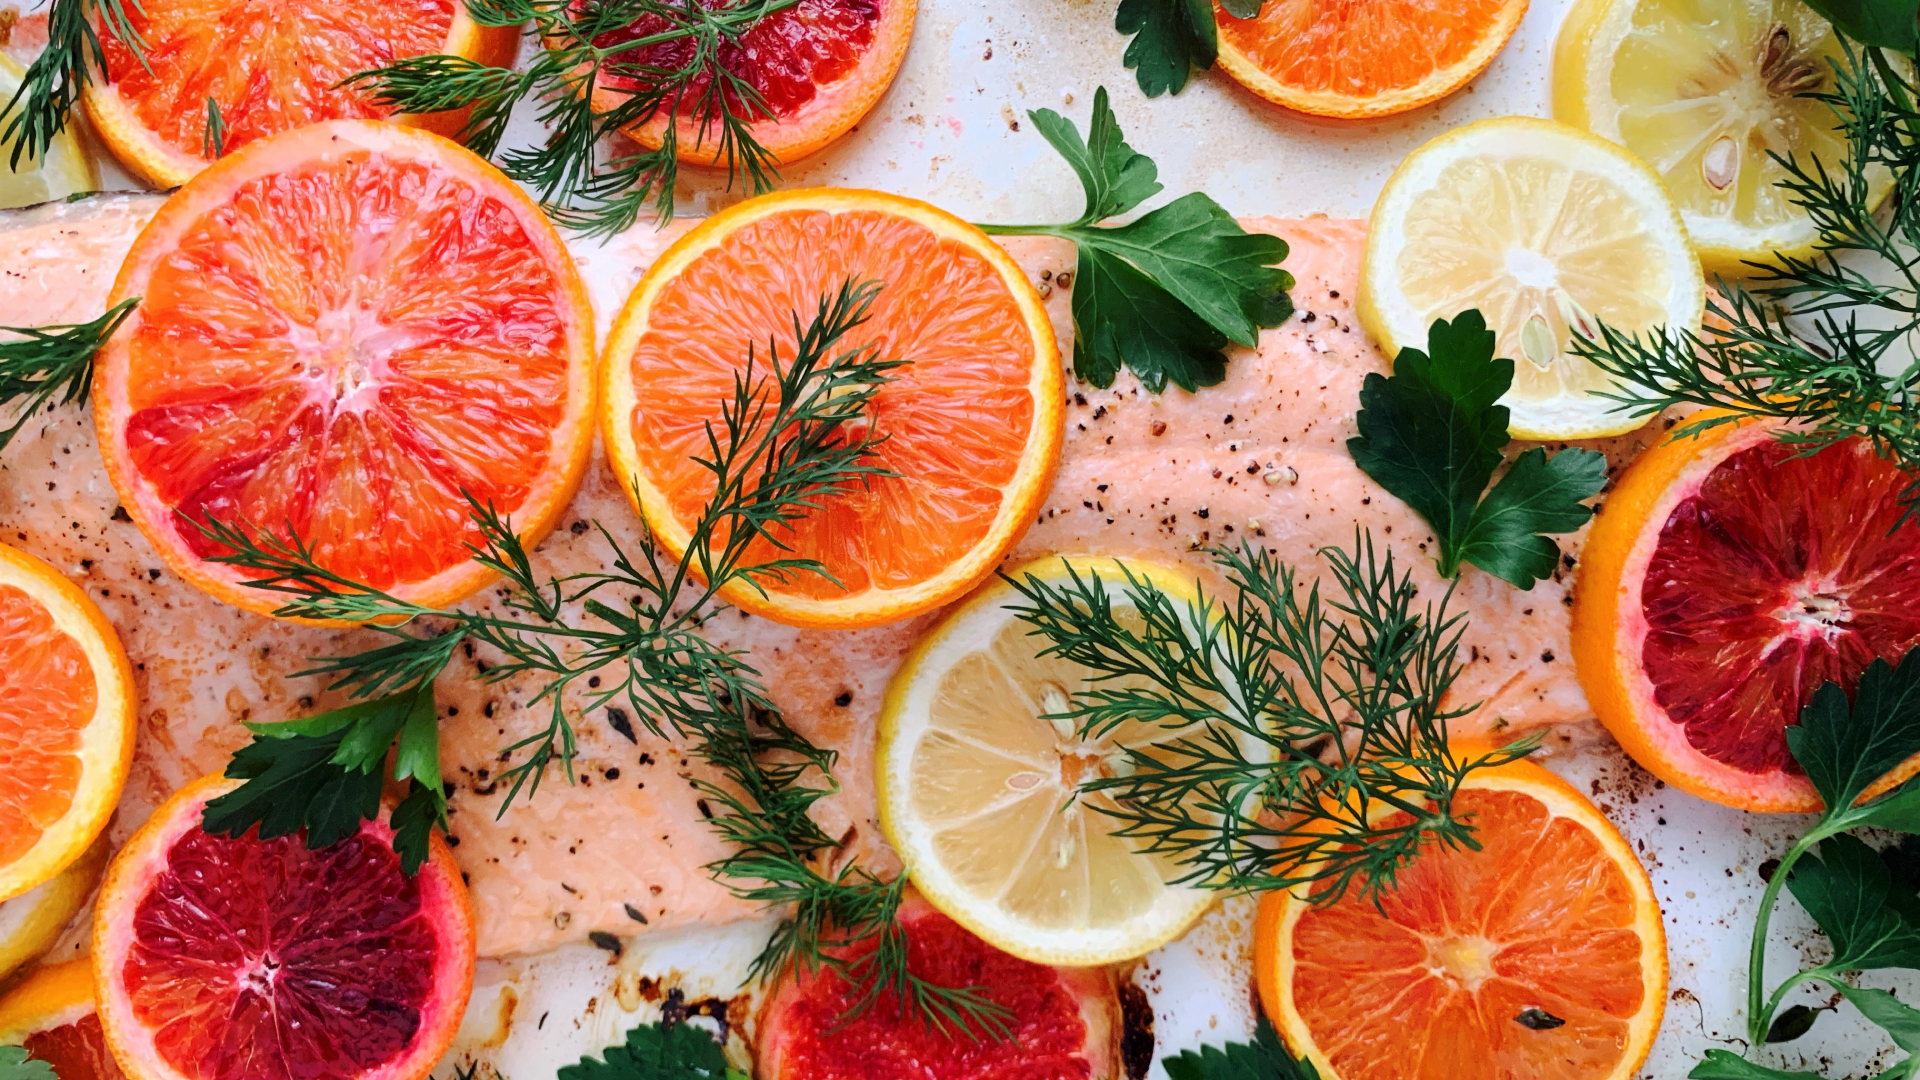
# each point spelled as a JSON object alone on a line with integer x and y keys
{"x": 1760, "y": 1009}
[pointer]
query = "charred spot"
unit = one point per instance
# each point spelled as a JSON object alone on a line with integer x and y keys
{"x": 676, "y": 1009}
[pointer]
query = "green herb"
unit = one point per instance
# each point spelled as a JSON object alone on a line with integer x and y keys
{"x": 213, "y": 142}
{"x": 1265, "y": 1058}
{"x": 15, "y": 1065}
{"x": 1165, "y": 293}
{"x": 659, "y": 1051}
{"x": 1341, "y": 696}
{"x": 1819, "y": 339}
{"x": 1433, "y": 435}
{"x": 1879, "y": 24}
{"x": 1171, "y": 38}
{"x": 36, "y": 364}
{"x": 589, "y": 48}
{"x": 38, "y": 110}
{"x": 1871, "y": 917}
{"x": 779, "y": 452}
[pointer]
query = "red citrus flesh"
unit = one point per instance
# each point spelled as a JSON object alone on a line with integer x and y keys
{"x": 48, "y": 696}
{"x": 269, "y": 66}
{"x": 1782, "y": 572}
{"x": 787, "y": 57}
{"x": 1062, "y": 1020}
{"x": 77, "y": 1051}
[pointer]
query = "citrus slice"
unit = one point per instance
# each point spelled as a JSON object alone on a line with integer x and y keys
{"x": 819, "y": 66}
{"x": 1708, "y": 95}
{"x": 1726, "y": 579}
{"x": 978, "y": 791}
{"x": 31, "y": 922}
{"x": 972, "y": 424}
{"x": 66, "y": 722}
{"x": 347, "y": 331}
{"x": 1539, "y": 956}
{"x": 1063, "y": 1022}
{"x": 65, "y": 170}
{"x": 51, "y": 1013}
{"x": 1363, "y": 60}
{"x": 1546, "y": 230}
{"x": 219, "y": 958}
{"x": 267, "y": 69}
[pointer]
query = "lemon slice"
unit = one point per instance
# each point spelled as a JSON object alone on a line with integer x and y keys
{"x": 1705, "y": 93}
{"x": 977, "y": 790}
{"x": 1547, "y": 230}
{"x": 64, "y": 171}
{"x": 32, "y": 921}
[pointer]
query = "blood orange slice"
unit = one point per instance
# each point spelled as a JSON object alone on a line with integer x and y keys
{"x": 1538, "y": 957}
{"x": 1064, "y": 1021}
{"x": 1726, "y": 578}
{"x": 819, "y": 65}
{"x": 51, "y": 1013}
{"x": 346, "y": 331}
{"x": 219, "y": 958}
{"x": 972, "y": 424}
{"x": 66, "y": 722}
{"x": 268, "y": 68}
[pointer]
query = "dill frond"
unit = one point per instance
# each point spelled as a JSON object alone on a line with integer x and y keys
{"x": 38, "y": 110}
{"x": 36, "y": 364}
{"x": 1305, "y": 721}
{"x": 581, "y": 52}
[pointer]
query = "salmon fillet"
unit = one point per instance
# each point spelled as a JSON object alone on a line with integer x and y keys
{"x": 1260, "y": 457}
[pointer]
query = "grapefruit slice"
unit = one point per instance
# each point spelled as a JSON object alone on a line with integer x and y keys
{"x": 1727, "y": 577}
{"x": 1538, "y": 957}
{"x": 225, "y": 959}
{"x": 66, "y": 722}
{"x": 51, "y": 1013}
{"x": 268, "y": 67}
{"x": 972, "y": 424}
{"x": 1355, "y": 61}
{"x": 346, "y": 331}
{"x": 819, "y": 65}
{"x": 1064, "y": 1021}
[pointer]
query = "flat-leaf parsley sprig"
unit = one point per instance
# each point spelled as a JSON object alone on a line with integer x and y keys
{"x": 1344, "y": 695}
{"x": 40, "y": 364}
{"x": 780, "y": 450}
{"x": 1171, "y": 38}
{"x": 1165, "y": 293}
{"x": 39, "y": 109}
{"x": 673, "y": 70}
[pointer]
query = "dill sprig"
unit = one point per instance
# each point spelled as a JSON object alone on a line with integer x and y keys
{"x": 584, "y": 52}
{"x": 38, "y": 110}
{"x": 1825, "y": 339}
{"x": 1343, "y": 697}
{"x": 780, "y": 450}
{"x": 38, "y": 363}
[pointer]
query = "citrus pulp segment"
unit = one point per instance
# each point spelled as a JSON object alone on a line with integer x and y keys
{"x": 266, "y": 69}
{"x": 347, "y": 331}
{"x": 66, "y": 169}
{"x": 51, "y": 1013}
{"x": 972, "y": 424}
{"x": 979, "y": 791}
{"x": 818, "y": 66}
{"x": 1553, "y": 913}
{"x": 223, "y": 958}
{"x": 66, "y": 722}
{"x": 1358, "y": 60}
{"x": 1064, "y": 1022}
{"x": 1727, "y": 578}
{"x": 31, "y": 922}
{"x": 1547, "y": 231}
{"x": 1708, "y": 95}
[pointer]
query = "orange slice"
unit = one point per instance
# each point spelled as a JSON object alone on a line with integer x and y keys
{"x": 1355, "y": 59}
{"x": 1539, "y": 957}
{"x": 66, "y": 722}
{"x": 819, "y": 66}
{"x": 972, "y": 423}
{"x": 223, "y": 958}
{"x": 346, "y": 330}
{"x": 268, "y": 67}
{"x": 1727, "y": 578}
{"x": 52, "y": 1014}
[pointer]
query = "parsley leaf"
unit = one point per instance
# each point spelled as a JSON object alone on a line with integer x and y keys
{"x": 1726, "y": 1065}
{"x": 1433, "y": 435}
{"x": 1886, "y": 24}
{"x": 1265, "y": 1058}
{"x": 659, "y": 1051}
{"x": 1847, "y": 890}
{"x": 15, "y": 1065}
{"x": 1844, "y": 749}
{"x": 1170, "y": 39}
{"x": 1165, "y": 294}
